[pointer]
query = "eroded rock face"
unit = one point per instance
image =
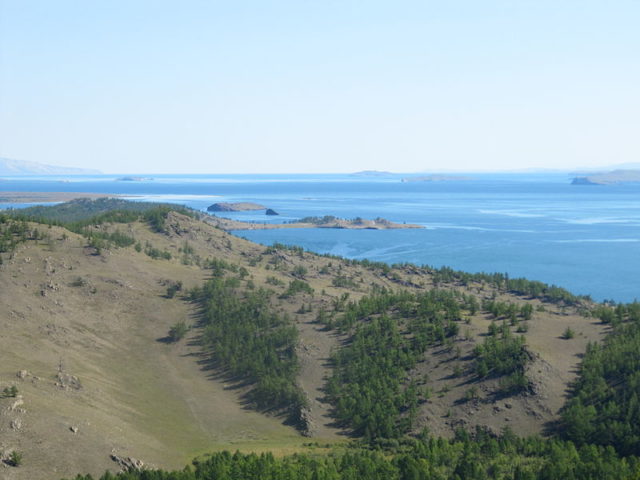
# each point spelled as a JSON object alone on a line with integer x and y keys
{"x": 307, "y": 425}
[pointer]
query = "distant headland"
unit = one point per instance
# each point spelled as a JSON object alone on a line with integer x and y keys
{"x": 614, "y": 177}
{"x": 48, "y": 197}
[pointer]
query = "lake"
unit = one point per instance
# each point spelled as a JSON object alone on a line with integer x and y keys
{"x": 583, "y": 238}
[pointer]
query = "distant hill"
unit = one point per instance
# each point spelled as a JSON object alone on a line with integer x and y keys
{"x": 606, "y": 168}
{"x": 609, "y": 178}
{"x": 9, "y": 166}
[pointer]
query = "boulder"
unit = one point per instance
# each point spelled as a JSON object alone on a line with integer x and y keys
{"x": 68, "y": 382}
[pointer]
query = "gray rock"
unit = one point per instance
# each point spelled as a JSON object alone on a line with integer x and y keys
{"x": 16, "y": 403}
{"x": 308, "y": 427}
{"x": 128, "y": 464}
{"x": 68, "y": 382}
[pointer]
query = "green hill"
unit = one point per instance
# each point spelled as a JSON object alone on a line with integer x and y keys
{"x": 143, "y": 331}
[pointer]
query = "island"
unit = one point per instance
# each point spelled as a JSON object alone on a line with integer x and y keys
{"x": 235, "y": 207}
{"x": 436, "y": 178}
{"x": 327, "y": 221}
{"x": 614, "y": 177}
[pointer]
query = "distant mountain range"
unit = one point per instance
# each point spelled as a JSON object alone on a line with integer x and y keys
{"x": 9, "y": 166}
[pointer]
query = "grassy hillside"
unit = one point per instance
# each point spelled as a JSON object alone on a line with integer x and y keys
{"x": 145, "y": 331}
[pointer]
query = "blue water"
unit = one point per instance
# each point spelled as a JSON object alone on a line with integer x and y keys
{"x": 586, "y": 239}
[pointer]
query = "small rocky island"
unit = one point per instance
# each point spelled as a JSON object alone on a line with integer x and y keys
{"x": 615, "y": 177}
{"x": 235, "y": 207}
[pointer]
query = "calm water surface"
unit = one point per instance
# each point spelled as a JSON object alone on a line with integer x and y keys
{"x": 586, "y": 239}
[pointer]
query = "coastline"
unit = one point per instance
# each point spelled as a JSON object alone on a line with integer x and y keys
{"x": 236, "y": 225}
{"x": 49, "y": 197}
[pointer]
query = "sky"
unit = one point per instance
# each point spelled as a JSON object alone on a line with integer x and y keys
{"x": 241, "y": 86}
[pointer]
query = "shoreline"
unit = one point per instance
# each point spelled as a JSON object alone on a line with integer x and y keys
{"x": 49, "y": 197}
{"x": 236, "y": 225}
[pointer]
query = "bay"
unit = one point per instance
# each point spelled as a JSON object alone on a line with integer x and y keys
{"x": 583, "y": 238}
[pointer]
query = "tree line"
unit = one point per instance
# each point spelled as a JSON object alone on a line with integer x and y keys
{"x": 477, "y": 456}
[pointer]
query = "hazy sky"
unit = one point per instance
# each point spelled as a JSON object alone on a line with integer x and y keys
{"x": 319, "y": 86}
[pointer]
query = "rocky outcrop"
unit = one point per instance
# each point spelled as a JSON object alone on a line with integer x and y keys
{"x": 19, "y": 401}
{"x": 307, "y": 425}
{"x": 271, "y": 212}
{"x": 235, "y": 207}
{"x": 68, "y": 382}
{"x": 127, "y": 464}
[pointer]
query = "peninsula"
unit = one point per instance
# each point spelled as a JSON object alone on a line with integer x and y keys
{"x": 328, "y": 221}
{"x": 48, "y": 197}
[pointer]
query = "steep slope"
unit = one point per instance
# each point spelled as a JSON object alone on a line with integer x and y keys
{"x": 136, "y": 395}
